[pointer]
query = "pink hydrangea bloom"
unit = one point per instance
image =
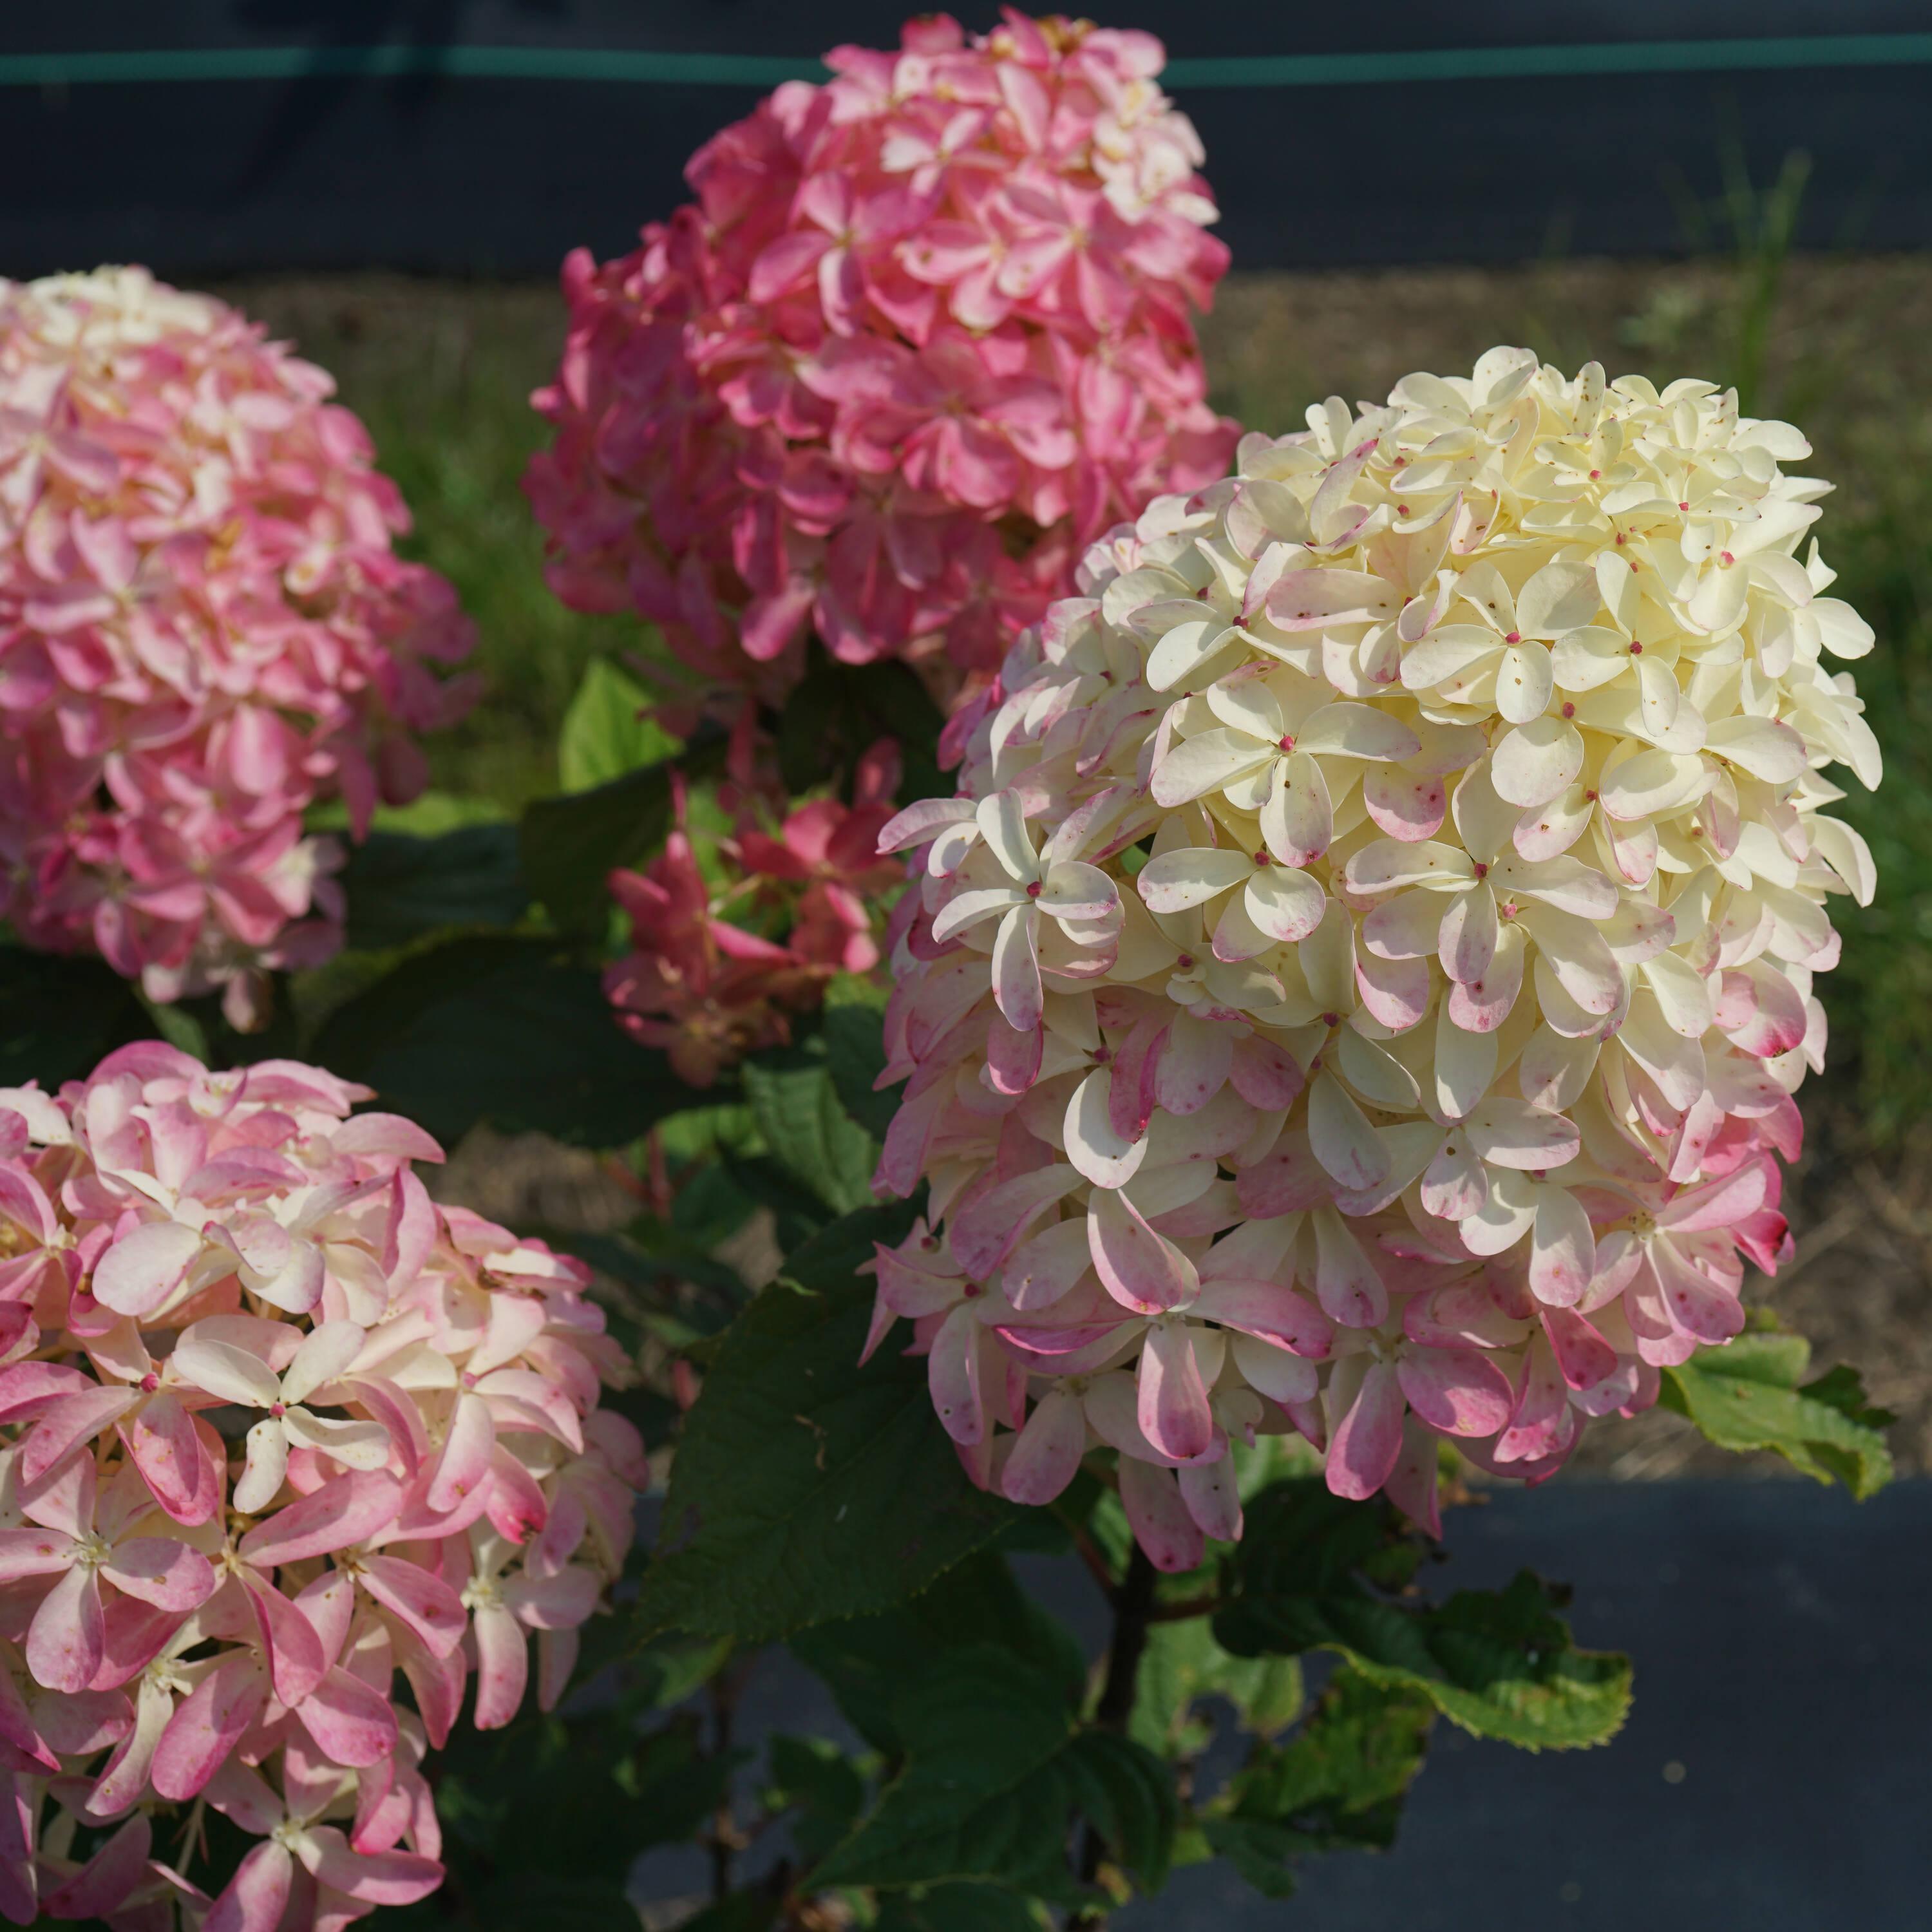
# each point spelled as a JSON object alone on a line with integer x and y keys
{"x": 273, "y": 1426}
{"x": 204, "y": 630}
{"x": 1362, "y": 988}
{"x": 708, "y": 990}
{"x": 925, "y": 334}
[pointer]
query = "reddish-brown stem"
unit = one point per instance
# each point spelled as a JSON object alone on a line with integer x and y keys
{"x": 1202, "y": 1605}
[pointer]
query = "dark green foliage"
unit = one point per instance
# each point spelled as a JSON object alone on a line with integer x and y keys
{"x": 649, "y": 1254}
{"x": 865, "y": 1660}
{"x": 59, "y": 1017}
{"x": 401, "y": 888}
{"x": 997, "y": 1764}
{"x": 1313, "y": 1573}
{"x": 814, "y": 1142}
{"x": 567, "y": 846}
{"x": 741, "y": 1911}
{"x": 840, "y": 711}
{"x": 978, "y": 1691}
{"x": 543, "y": 1821}
{"x": 1128, "y": 1794}
{"x": 661, "y": 1290}
{"x": 855, "y": 1054}
{"x": 1337, "y": 1784}
{"x": 820, "y": 1786}
{"x": 807, "y": 1488}
{"x": 1183, "y": 1665}
{"x": 503, "y": 1029}
{"x": 957, "y": 1908}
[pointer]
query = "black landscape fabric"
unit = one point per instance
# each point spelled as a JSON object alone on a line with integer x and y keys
{"x": 435, "y": 171}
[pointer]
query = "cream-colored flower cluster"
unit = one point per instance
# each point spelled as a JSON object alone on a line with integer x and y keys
{"x": 1361, "y": 987}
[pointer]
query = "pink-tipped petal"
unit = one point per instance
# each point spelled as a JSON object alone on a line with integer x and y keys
{"x": 170, "y": 1575}
{"x": 1046, "y": 1455}
{"x": 350, "y": 1723}
{"x": 379, "y": 1878}
{"x": 1209, "y": 1492}
{"x": 255, "y": 1897}
{"x": 1173, "y": 1410}
{"x": 502, "y": 1666}
{"x": 342, "y": 1512}
{"x": 208, "y": 1724}
{"x": 67, "y": 1638}
{"x": 1160, "y": 1519}
{"x": 1368, "y": 1439}
{"x": 1459, "y": 1391}
{"x": 1142, "y": 1270}
{"x": 143, "y": 1269}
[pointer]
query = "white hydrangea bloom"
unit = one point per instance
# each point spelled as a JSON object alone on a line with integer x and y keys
{"x": 1361, "y": 986}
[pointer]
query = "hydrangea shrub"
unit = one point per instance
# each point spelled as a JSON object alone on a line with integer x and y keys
{"x": 1361, "y": 987}
{"x": 1343, "y": 1029}
{"x": 277, "y": 1429}
{"x": 925, "y": 333}
{"x": 204, "y": 632}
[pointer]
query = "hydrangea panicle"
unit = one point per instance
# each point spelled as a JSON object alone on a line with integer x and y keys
{"x": 273, "y": 1426}
{"x": 1361, "y": 988}
{"x": 204, "y": 630}
{"x": 925, "y": 333}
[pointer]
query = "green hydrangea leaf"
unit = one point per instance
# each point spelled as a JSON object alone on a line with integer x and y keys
{"x": 838, "y": 711}
{"x": 401, "y": 887}
{"x": 509, "y": 1030}
{"x": 866, "y": 1661}
{"x": 1338, "y": 1784}
{"x": 543, "y": 1821}
{"x": 817, "y": 1782}
{"x": 997, "y": 1766}
{"x": 964, "y": 1907}
{"x": 1314, "y": 1572}
{"x": 855, "y": 1051}
{"x": 1128, "y": 1793}
{"x": 59, "y": 1018}
{"x": 983, "y": 1794}
{"x": 1751, "y": 1394}
{"x": 741, "y": 1912}
{"x": 567, "y": 845}
{"x": 607, "y": 731}
{"x": 806, "y": 1488}
{"x": 1183, "y": 1664}
{"x": 809, "y": 1134}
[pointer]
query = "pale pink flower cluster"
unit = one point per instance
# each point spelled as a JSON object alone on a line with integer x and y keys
{"x": 204, "y": 630}
{"x": 1362, "y": 986}
{"x": 273, "y": 1426}
{"x": 925, "y": 334}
